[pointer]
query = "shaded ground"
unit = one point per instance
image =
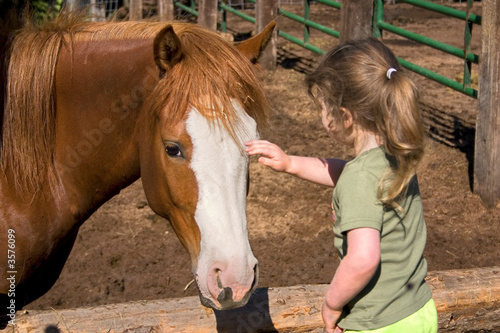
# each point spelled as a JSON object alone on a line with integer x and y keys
{"x": 125, "y": 252}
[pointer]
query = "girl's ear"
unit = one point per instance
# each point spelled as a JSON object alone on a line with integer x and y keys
{"x": 347, "y": 118}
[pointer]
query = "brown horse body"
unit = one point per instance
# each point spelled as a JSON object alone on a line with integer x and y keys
{"x": 120, "y": 106}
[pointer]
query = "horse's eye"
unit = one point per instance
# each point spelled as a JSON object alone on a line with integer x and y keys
{"x": 173, "y": 150}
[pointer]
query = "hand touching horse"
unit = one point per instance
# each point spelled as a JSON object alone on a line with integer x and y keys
{"x": 106, "y": 103}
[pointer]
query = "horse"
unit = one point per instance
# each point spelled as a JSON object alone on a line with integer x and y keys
{"x": 92, "y": 107}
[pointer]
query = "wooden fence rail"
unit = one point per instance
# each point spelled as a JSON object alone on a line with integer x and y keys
{"x": 467, "y": 300}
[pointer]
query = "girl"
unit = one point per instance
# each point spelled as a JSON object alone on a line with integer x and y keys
{"x": 368, "y": 102}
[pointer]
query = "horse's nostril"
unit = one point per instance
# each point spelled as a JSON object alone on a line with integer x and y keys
{"x": 226, "y": 296}
{"x": 219, "y": 282}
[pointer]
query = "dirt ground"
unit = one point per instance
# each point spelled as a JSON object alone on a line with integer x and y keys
{"x": 124, "y": 252}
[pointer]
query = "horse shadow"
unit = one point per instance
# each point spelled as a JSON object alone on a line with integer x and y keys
{"x": 253, "y": 317}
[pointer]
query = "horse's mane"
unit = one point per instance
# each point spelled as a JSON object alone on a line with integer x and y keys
{"x": 211, "y": 75}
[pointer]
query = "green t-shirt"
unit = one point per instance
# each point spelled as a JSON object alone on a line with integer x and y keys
{"x": 398, "y": 288}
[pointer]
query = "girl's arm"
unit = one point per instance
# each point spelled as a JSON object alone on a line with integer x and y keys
{"x": 317, "y": 170}
{"x": 354, "y": 272}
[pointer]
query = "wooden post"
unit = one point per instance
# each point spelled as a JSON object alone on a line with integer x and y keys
{"x": 487, "y": 146}
{"x": 98, "y": 12}
{"x": 355, "y": 19}
{"x": 135, "y": 10}
{"x": 266, "y": 11}
{"x": 207, "y": 14}
{"x": 71, "y": 5}
{"x": 166, "y": 10}
{"x": 466, "y": 300}
{"x": 93, "y": 10}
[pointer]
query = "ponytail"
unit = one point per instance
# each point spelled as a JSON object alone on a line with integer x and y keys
{"x": 398, "y": 120}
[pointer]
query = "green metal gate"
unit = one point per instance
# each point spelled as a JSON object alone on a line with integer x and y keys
{"x": 379, "y": 25}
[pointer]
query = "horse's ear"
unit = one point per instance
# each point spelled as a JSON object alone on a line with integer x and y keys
{"x": 167, "y": 49}
{"x": 253, "y": 47}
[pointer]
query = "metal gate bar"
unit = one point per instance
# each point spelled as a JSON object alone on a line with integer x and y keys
{"x": 456, "y": 13}
{"x": 236, "y": 12}
{"x": 309, "y": 24}
{"x": 189, "y": 9}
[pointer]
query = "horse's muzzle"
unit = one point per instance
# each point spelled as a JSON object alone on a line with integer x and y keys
{"x": 228, "y": 298}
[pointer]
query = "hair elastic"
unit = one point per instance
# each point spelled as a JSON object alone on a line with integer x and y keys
{"x": 390, "y": 71}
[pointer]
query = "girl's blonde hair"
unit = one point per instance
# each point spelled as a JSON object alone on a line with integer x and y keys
{"x": 354, "y": 75}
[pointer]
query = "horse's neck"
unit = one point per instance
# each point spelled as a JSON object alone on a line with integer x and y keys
{"x": 100, "y": 88}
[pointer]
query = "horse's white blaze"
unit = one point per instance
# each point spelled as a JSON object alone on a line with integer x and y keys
{"x": 221, "y": 169}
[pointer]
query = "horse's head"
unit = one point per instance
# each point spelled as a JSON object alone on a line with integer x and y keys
{"x": 193, "y": 166}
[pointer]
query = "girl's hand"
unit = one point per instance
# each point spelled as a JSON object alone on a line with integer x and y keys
{"x": 330, "y": 318}
{"x": 273, "y": 156}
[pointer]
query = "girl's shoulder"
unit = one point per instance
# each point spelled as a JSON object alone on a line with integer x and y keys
{"x": 374, "y": 161}
{"x": 363, "y": 173}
